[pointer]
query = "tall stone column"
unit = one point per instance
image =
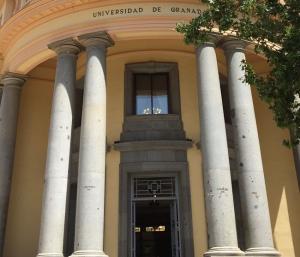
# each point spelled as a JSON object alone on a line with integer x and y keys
{"x": 57, "y": 163}
{"x": 222, "y": 237}
{"x": 258, "y": 231}
{"x": 89, "y": 227}
{"x": 8, "y": 127}
{"x": 1, "y": 91}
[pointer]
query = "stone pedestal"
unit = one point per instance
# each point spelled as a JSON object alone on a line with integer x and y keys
{"x": 59, "y": 142}
{"x": 9, "y": 109}
{"x": 222, "y": 238}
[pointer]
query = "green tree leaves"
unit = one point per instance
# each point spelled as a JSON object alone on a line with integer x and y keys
{"x": 274, "y": 29}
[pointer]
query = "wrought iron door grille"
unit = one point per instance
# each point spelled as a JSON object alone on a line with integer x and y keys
{"x": 154, "y": 187}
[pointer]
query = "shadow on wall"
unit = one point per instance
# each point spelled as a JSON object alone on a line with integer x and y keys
{"x": 281, "y": 182}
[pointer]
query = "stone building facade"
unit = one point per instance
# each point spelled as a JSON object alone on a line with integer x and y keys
{"x": 117, "y": 139}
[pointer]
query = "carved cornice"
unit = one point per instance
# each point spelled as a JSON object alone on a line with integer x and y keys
{"x": 34, "y": 14}
{"x": 25, "y": 36}
{"x": 38, "y": 12}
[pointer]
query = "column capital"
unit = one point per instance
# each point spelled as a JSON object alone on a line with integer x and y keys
{"x": 101, "y": 38}
{"x": 212, "y": 40}
{"x": 13, "y": 79}
{"x": 233, "y": 44}
{"x": 65, "y": 46}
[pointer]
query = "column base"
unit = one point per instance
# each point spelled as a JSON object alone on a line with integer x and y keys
{"x": 50, "y": 255}
{"x": 262, "y": 252}
{"x": 89, "y": 254}
{"x": 224, "y": 251}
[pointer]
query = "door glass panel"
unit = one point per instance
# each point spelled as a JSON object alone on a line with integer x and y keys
{"x": 143, "y": 94}
{"x": 153, "y": 229}
{"x": 151, "y": 94}
{"x": 160, "y": 93}
{"x": 155, "y": 217}
{"x": 154, "y": 187}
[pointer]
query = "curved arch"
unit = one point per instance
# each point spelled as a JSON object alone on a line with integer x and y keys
{"x": 32, "y": 55}
{"x": 24, "y": 38}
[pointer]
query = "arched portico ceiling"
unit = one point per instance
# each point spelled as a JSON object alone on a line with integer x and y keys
{"x": 24, "y": 38}
{"x": 27, "y": 34}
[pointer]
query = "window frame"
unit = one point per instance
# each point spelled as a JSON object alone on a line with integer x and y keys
{"x": 151, "y": 67}
{"x": 152, "y": 91}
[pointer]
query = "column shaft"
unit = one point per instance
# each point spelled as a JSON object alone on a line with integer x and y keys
{"x": 8, "y": 127}
{"x": 217, "y": 179}
{"x": 1, "y": 92}
{"x": 258, "y": 231}
{"x": 89, "y": 228}
{"x": 57, "y": 164}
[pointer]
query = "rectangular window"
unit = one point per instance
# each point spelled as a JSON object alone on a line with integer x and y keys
{"x": 151, "y": 93}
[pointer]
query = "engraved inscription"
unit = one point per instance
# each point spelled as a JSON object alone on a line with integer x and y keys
{"x": 146, "y": 10}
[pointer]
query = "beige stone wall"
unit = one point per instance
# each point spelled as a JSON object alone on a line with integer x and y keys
{"x": 27, "y": 183}
{"x": 28, "y": 172}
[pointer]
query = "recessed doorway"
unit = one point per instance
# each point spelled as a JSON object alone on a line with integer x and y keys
{"x": 155, "y": 218}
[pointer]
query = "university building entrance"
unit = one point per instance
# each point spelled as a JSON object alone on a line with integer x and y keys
{"x": 155, "y": 210}
{"x": 155, "y": 217}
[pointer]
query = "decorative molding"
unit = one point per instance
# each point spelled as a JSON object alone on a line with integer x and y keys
{"x": 30, "y": 29}
{"x": 25, "y": 36}
{"x": 153, "y": 145}
{"x": 38, "y": 12}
